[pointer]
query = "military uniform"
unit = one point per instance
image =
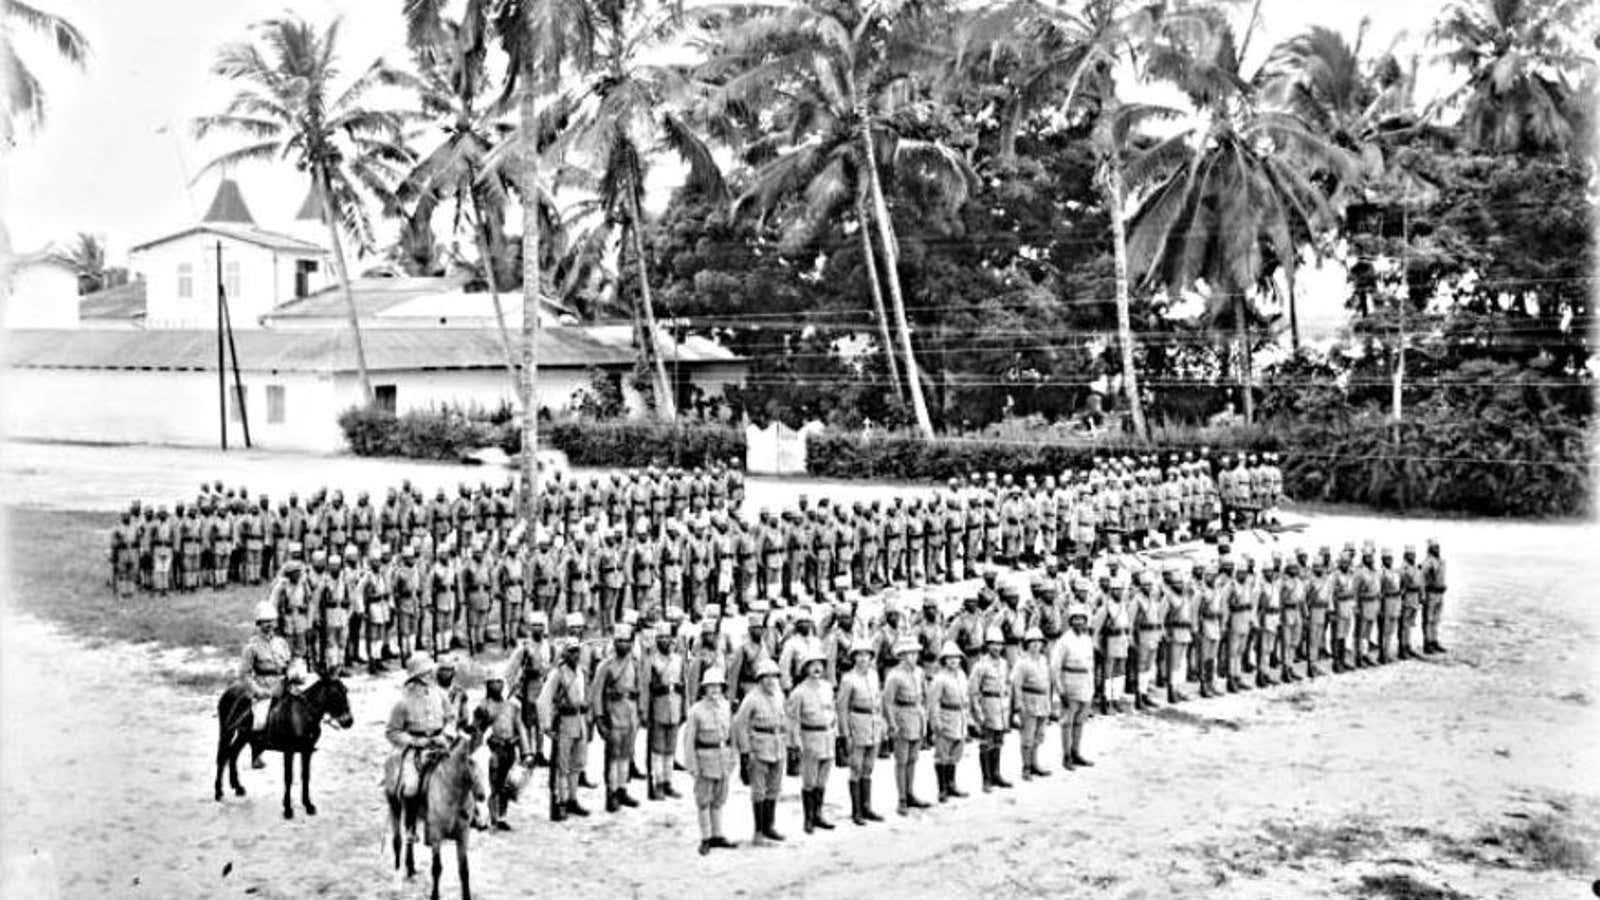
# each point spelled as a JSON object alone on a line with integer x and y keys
{"x": 1030, "y": 698}
{"x": 905, "y": 710}
{"x": 760, "y": 735}
{"x": 1433, "y": 584}
{"x": 948, "y": 720}
{"x": 564, "y": 713}
{"x": 709, "y": 756}
{"x": 988, "y": 695}
{"x": 812, "y": 728}
{"x": 1072, "y": 664}
{"x": 614, "y": 696}
{"x": 416, "y": 723}
{"x": 665, "y": 713}
{"x": 861, "y": 728}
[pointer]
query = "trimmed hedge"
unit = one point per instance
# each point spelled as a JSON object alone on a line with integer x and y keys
{"x": 910, "y": 458}
{"x": 1448, "y": 463}
{"x": 638, "y": 444}
{"x": 448, "y": 433}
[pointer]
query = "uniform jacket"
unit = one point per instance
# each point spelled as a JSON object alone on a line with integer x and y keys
{"x": 761, "y": 727}
{"x": 812, "y": 719}
{"x": 421, "y": 711}
{"x": 860, "y": 704}
{"x": 564, "y": 703}
{"x": 707, "y": 737}
{"x": 904, "y": 703}
{"x": 1030, "y": 685}
{"x": 947, "y": 704}
{"x": 989, "y": 694}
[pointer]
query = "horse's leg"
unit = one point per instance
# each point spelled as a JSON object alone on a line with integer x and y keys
{"x": 239, "y": 741}
{"x": 305, "y": 784}
{"x": 288, "y": 781}
{"x": 223, "y": 740}
{"x": 461, "y": 866}
{"x": 437, "y": 868}
{"x": 411, "y": 838}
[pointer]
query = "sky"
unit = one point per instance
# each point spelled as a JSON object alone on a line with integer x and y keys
{"x": 116, "y": 154}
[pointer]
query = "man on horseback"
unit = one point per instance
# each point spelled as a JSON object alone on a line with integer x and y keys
{"x": 416, "y": 723}
{"x": 266, "y": 667}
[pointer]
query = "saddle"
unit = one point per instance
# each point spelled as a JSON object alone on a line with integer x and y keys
{"x": 406, "y": 773}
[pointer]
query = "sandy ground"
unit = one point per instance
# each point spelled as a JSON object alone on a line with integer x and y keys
{"x": 1343, "y": 787}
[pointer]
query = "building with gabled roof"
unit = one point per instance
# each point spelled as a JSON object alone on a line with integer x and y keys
{"x": 138, "y": 363}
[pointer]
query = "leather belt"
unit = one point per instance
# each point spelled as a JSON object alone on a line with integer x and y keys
{"x": 953, "y": 707}
{"x": 424, "y": 733}
{"x": 1076, "y": 670}
{"x": 708, "y": 745}
{"x": 813, "y": 727}
{"x": 570, "y": 709}
{"x": 907, "y": 703}
{"x": 1034, "y": 690}
{"x": 763, "y": 729}
{"x": 866, "y": 710}
{"x": 1116, "y": 632}
{"x": 994, "y": 694}
{"x": 1150, "y": 627}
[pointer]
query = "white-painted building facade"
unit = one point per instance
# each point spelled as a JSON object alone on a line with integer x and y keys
{"x": 139, "y": 363}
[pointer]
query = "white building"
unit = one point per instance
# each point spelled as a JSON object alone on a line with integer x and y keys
{"x": 139, "y": 363}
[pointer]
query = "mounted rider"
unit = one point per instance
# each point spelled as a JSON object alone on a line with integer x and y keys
{"x": 266, "y": 668}
{"x": 416, "y": 724}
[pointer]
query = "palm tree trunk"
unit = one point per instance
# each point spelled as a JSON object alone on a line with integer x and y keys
{"x": 1119, "y": 246}
{"x": 499, "y": 310}
{"x": 870, "y": 260}
{"x": 531, "y": 288}
{"x": 1009, "y": 128}
{"x": 1294, "y": 314}
{"x": 666, "y": 401}
{"x": 919, "y": 405}
{"x": 326, "y": 195}
{"x": 1242, "y": 329}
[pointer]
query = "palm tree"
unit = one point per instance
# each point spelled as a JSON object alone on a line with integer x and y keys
{"x": 288, "y": 108}
{"x": 1070, "y": 58}
{"x": 621, "y": 112}
{"x": 454, "y": 90}
{"x": 1232, "y": 195}
{"x": 1520, "y": 96}
{"x": 847, "y": 66}
{"x": 86, "y": 257}
{"x": 24, "y": 96}
{"x": 540, "y": 40}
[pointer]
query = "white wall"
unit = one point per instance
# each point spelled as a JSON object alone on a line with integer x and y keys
{"x": 484, "y": 387}
{"x": 266, "y": 278}
{"x": 43, "y": 295}
{"x": 165, "y": 408}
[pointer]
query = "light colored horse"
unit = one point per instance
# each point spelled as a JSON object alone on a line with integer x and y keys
{"x": 450, "y": 803}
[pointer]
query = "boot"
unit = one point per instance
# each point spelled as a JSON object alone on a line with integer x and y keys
{"x": 817, "y": 809}
{"x": 950, "y": 779}
{"x": 574, "y": 809}
{"x": 558, "y": 812}
{"x": 866, "y": 801}
{"x": 855, "y": 803}
{"x": 944, "y": 784}
{"x": 900, "y": 806}
{"x": 988, "y": 774}
{"x": 911, "y": 795}
{"x": 1037, "y": 769}
{"x": 758, "y": 815}
{"x": 611, "y": 800}
{"x": 810, "y": 809}
{"x": 994, "y": 765}
{"x": 719, "y": 842}
{"x": 771, "y": 814}
{"x": 1027, "y": 767}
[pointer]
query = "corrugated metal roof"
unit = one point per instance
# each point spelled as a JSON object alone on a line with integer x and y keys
{"x": 318, "y": 351}
{"x": 250, "y": 234}
{"x": 126, "y": 301}
{"x": 373, "y": 295}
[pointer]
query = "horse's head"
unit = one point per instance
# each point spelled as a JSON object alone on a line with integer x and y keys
{"x": 333, "y": 699}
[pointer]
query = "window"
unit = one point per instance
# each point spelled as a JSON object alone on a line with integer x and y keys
{"x": 303, "y": 270}
{"x": 384, "y": 394}
{"x": 185, "y": 280}
{"x": 237, "y": 397}
{"x": 274, "y": 404}
{"x": 230, "y": 280}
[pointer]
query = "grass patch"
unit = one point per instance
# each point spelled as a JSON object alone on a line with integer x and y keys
{"x": 1344, "y": 842}
{"x": 1546, "y": 842}
{"x": 58, "y": 571}
{"x": 1401, "y": 886}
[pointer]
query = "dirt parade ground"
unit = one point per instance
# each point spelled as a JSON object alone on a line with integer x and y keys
{"x": 1471, "y": 774}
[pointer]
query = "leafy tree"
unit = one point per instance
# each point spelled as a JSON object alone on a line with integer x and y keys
{"x": 86, "y": 257}
{"x": 288, "y": 108}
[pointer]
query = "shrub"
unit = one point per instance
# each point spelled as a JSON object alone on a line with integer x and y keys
{"x": 369, "y": 430}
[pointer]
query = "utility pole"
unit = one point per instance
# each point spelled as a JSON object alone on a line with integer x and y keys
{"x": 1405, "y": 298}
{"x": 222, "y": 377}
{"x": 233, "y": 353}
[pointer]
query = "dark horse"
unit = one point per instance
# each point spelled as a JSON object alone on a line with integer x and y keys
{"x": 447, "y": 804}
{"x": 293, "y": 727}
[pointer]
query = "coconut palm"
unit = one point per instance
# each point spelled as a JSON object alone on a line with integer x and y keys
{"x": 1068, "y": 58}
{"x": 456, "y": 95}
{"x": 847, "y": 66}
{"x": 539, "y": 40}
{"x": 86, "y": 257}
{"x": 1232, "y": 196}
{"x": 289, "y": 110}
{"x": 1521, "y": 94}
{"x": 24, "y": 96}
{"x": 621, "y": 111}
